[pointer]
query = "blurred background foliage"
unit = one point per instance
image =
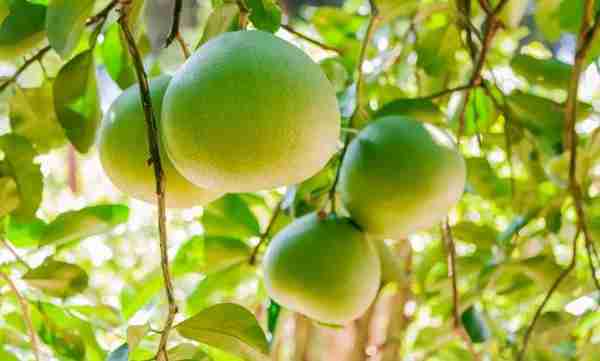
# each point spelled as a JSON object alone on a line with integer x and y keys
{"x": 85, "y": 258}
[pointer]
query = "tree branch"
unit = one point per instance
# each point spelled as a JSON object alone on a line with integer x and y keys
{"x": 444, "y": 92}
{"x": 491, "y": 26}
{"x": 313, "y": 41}
{"x": 267, "y": 233}
{"x": 359, "y": 110}
{"x": 451, "y": 249}
{"x": 244, "y": 13}
{"x": 551, "y": 291}
{"x": 153, "y": 139}
{"x": 25, "y": 309}
{"x": 14, "y": 253}
{"x": 174, "y": 32}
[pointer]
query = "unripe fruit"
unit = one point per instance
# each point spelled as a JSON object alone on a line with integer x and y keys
{"x": 250, "y": 111}
{"x": 400, "y": 176}
{"x": 323, "y": 268}
{"x": 124, "y": 152}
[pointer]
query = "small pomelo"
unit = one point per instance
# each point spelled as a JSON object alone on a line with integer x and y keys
{"x": 323, "y": 268}
{"x": 249, "y": 111}
{"x": 399, "y": 176}
{"x": 124, "y": 152}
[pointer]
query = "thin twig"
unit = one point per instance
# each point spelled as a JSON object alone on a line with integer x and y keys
{"x": 244, "y": 13}
{"x": 102, "y": 14}
{"x": 267, "y": 233}
{"x": 183, "y": 46}
{"x": 491, "y": 26}
{"x": 19, "y": 259}
{"x": 313, "y": 41}
{"x": 26, "y": 315}
{"x": 155, "y": 160}
{"x": 40, "y": 54}
{"x": 359, "y": 110}
{"x": 589, "y": 27}
{"x": 174, "y": 32}
{"x": 551, "y": 291}
{"x": 457, "y": 324}
{"x": 446, "y": 92}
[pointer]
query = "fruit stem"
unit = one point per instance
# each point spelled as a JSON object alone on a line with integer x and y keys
{"x": 359, "y": 110}
{"x": 153, "y": 142}
{"x": 266, "y": 234}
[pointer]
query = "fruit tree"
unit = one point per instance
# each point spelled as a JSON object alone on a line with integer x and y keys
{"x": 299, "y": 180}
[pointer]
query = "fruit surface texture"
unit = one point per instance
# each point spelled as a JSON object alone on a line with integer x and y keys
{"x": 124, "y": 152}
{"x": 249, "y": 111}
{"x": 400, "y": 176}
{"x": 323, "y": 268}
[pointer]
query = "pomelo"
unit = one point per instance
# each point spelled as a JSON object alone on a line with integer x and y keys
{"x": 249, "y": 111}
{"x": 124, "y": 152}
{"x": 400, "y": 176}
{"x": 323, "y": 268}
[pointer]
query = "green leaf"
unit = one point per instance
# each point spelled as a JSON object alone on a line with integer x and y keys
{"x": 76, "y": 101}
{"x": 550, "y": 73}
{"x": 187, "y": 352}
{"x": 4, "y": 9}
{"x": 419, "y": 109}
{"x": 22, "y": 29}
{"x": 436, "y": 49}
{"x": 209, "y": 254}
{"x": 121, "y": 353}
{"x": 24, "y": 234}
{"x": 9, "y": 196}
{"x": 83, "y": 223}
{"x": 547, "y": 18}
{"x": 224, "y": 18}
{"x": 135, "y": 296}
{"x": 480, "y": 113}
{"x": 18, "y": 163}
{"x": 273, "y": 312}
{"x": 32, "y": 116}
{"x": 7, "y": 356}
{"x": 221, "y": 286}
{"x": 265, "y": 14}
{"x": 229, "y": 327}
{"x": 480, "y": 235}
{"x": 116, "y": 58}
{"x": 336, "y": 72}
{"x": 475, "y": 325}
{"x": 513, "y": 12}
{"x": 135, "y": 334}
{"x": 56, "y": 278}
{"x": 65, "y": 23}
{"x": 230, "y": 216}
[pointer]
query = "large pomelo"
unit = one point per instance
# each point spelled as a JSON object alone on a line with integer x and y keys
{"x": 399, "y": 176}
{"x": 249, "y": 111}
{"x": 124, "y": 152}
{"x": 323, "y": 268}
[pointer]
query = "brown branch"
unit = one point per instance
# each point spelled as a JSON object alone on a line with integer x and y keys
{"x": 102, "y": 14}
{"x": 359, "y": 110}
{"x": 451, "y": 249}
{"x": 551, "y": 291}
{"x": 491, "y": 26}
{"x": 153, "y": 139}
{"x": 589, "y": 27}
{"x": 183, "y": 46}
{"x": 39, "y": 55}
{"x": 267, "y": 233}
{"x": 244, "y": 13}
{"x": 12, "y": 251}
{"x": 174, "y": 32}
{"x": 444, "y": 92}
{"x": 26, "y": 315}
{"x": 313, "y": 41}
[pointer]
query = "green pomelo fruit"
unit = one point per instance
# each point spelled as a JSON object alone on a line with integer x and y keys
{"x": 323, "y": 268}
{"x": 124, "y": 152}
{"x": 22, "y": 29}
{"x": 250, "y": 111}
{"x": 400, "y": 176}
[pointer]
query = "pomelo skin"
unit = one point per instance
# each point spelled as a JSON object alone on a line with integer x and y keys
{"x": 124, "y": 152}
{"x": 249, "y": 111}
{"x": 400, "y": 176}
{"x": 323, "y": 268}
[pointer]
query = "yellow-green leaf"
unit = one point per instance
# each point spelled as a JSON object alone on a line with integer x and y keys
{"x": 56, "y": 278}
{"x": 65, "y": 22}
